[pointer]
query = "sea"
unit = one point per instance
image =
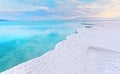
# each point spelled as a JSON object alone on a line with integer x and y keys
{"x": 21, "y": 41}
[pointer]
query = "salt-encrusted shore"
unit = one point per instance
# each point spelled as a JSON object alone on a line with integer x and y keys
{"x": 93, "y": 50}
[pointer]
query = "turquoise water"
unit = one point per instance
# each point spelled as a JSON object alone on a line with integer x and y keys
{"x": 22, "y": 41}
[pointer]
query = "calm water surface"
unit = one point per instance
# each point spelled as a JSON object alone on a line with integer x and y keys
{"x": 22, "y": 41}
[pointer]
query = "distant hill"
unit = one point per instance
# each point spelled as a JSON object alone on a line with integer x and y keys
{"x": 4, "y": 20}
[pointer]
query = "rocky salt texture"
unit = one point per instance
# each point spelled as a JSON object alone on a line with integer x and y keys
{"x": 93, "y": 50}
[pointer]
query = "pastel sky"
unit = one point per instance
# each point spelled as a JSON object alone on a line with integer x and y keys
{"x": 59, "y": 9}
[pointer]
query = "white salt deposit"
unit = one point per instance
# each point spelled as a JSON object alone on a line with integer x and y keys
{"x": 93, "y": 50}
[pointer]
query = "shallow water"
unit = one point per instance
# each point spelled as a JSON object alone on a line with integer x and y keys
{"x": 22, "y": 41}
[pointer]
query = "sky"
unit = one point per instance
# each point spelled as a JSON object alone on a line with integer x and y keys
{"x": 59, "y": 9}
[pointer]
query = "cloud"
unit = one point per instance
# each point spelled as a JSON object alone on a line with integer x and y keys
{"x": 61, "y": 9}
{"x": 102, "y": 9}
{"x": 111, "y": 9}
{"x": 16, "y": 6}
